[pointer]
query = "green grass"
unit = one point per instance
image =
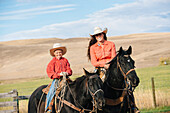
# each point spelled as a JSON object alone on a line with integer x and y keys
{"x": 161, "y": 76}
{"x": 156, "y": 110}
{"x": 26, "y": 87}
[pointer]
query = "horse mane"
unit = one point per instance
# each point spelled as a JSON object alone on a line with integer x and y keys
{"x": 119, "y": 53}
{"x": 78, "y": 80}
{"x": 115, "y": 58}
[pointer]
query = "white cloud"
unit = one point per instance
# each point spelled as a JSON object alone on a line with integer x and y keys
{"x": 29, "y": 13}
{"x": 37, "y": 9}
{"x": 137, "y": 17}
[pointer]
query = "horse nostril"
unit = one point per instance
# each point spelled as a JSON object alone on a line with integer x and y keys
{"x": 135, "y": 81}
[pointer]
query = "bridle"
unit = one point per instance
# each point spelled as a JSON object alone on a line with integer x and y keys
{"x": 126, "y": 90}
{"x": 93, "y": 94}
{"x": 123, "y": 73}
{"x": 82, "y": 109}
{"x": 126, "y": 79}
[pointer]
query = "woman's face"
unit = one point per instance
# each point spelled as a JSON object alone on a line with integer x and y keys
{"x": 99, "y": 37}
{"x": 58, "y": 53}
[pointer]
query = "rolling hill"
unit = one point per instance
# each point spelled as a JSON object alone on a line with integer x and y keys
{"x": 29, "y": 58}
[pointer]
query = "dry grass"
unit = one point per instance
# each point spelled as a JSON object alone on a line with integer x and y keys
{"x": 144, "y": 98}
{"x": 23, "y": 106}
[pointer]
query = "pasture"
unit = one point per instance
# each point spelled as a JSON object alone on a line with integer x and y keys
{"x": 19, "y": 69}
{"x": 143, "y": 93}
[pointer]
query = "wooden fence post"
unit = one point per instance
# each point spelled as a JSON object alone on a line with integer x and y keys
{"x": 16, "y": 108}
{"x": 153, "y": 92}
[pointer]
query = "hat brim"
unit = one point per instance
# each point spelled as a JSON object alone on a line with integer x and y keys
{"x": 58, "y": 48}
{"x": 105, "y": 31}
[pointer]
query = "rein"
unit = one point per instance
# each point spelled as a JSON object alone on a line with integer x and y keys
{"x": 82, "y": 110}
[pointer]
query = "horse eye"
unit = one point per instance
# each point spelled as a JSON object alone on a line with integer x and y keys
{"x": 128, "y": 60}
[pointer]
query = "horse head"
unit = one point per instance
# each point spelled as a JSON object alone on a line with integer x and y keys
{"x": 94, "y": 87}
{"x": 125, "y": 67}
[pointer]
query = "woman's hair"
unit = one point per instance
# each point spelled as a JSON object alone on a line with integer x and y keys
{"x": 93, "y": 41}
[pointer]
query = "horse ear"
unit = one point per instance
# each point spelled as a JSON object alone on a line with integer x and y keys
{"x": 86, "y": 72}
{"x": 129, "y": 51}
{"x": 120, "y": 50}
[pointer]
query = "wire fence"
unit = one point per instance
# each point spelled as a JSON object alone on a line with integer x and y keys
{"x": 144, "y": 94}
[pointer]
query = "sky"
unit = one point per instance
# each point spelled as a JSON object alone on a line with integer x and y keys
{"x": 33, "y": 19}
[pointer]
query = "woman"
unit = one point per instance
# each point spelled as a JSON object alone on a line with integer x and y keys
{"x": 100, "y": 51}
{"x": 56, "y": 68}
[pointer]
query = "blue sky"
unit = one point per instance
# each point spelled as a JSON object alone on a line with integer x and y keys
{"x": 30, "y": 19}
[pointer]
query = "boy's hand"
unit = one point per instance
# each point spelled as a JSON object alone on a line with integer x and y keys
{"x": 63, "y": 73}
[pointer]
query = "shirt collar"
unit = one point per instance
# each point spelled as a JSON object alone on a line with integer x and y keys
{"x": 58, "y": 59}
{"x": 105, "y": 43}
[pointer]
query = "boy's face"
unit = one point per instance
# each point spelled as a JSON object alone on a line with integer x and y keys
{"x": 58, "y": 53}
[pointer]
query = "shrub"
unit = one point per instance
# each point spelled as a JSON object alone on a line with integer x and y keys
{"x": 164, "y": 61}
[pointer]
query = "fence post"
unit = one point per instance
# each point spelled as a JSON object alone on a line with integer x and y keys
{"x": 16, "y": 108}
{"x": 153, "y": 92}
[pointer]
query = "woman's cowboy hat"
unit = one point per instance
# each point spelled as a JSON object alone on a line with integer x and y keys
{"x": 57, "y": 46}
{"x": 98, "y": 30}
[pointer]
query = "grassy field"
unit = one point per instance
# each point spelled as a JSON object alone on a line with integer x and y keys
{"x": 161, "y": 76}
{"x": 142, "y": 93}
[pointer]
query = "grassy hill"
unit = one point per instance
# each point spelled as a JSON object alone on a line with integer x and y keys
{"x": 29, "y": 58}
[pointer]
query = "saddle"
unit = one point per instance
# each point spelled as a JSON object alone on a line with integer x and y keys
{"x": 45, "y": 90}
{"x": 59, "y": 89}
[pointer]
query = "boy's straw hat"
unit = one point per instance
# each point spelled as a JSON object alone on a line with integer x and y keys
{"x": 57, "y": 46}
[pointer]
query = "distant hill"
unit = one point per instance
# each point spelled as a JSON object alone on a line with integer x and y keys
{"x": 29, "y": 58}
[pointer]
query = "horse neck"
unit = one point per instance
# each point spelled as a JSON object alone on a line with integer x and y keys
{"x": 115, "y": 77}
{"x": 114, "y": 81}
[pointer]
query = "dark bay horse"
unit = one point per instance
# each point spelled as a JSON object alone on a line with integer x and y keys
{"x": 116, "y": 87}
{"x": 80, "y": 93}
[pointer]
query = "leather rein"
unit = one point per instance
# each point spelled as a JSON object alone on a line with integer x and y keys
{"x": 82, "y": 110}
{"x": 119, "y": 100}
